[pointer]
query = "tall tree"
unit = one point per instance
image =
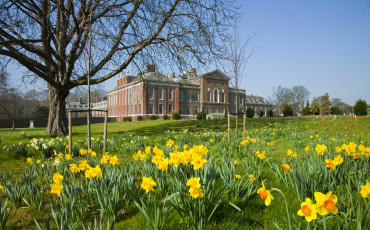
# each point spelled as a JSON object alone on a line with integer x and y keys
{"x": 325, "y": 105}
{"x": 236, "y": 56}
{"x": 360, "y": 108}
{"x": 51, "y": 39}
{"x": 281, "y": 96}
{"x": 11, "y": 105}
{"x": 315, "y": 107}
{"x": 299, "y": 93}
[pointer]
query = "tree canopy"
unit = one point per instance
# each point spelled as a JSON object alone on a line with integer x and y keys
{"x": 58, "y": 40}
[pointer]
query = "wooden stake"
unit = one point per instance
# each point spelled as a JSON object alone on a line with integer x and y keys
{"x": 228, "y": 126}
{"x": 105, "y": 131}
{"x": 70, "y": 131}
{"x": 244, "y": 117}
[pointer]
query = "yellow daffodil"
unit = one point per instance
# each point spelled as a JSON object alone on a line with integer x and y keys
{"x": 365, "y": 190}
{"x": 163, "y": 164}
{"x": 287, "y": 168}
{"x": 1, "y": 187}
{"x": 74, "y": 168}
{"x": 68, "y": 156}
{"x": 83, "y": 152}
{"x": 170, "y": 143}
{"x": 176, "y": 158}
{"x": 56, "y": 188}
{"x": 83, "y": 165}
{"x": 308, "y": 210}
{"x": 320, "y": 149}
{"x": 331, "y": 163}
{"x": 195, "y": 189}
{"x": 237, "y": 176}
{"x": 307, "y": 148}
{"x": 57, "y": 178}
{"x": 29, "y": 160}
{"x": 198, "y": 162}
{"x": 265, "y": 194}
{"x": 338, "y": 149}
{"x": 114, "y": 160}
{"x": 147, "y": 184}
{"x": 339, "y": 159}
{"x": 252, "y": 178}
{"x": 325, "y": 203}
{"x": 185, "y": 146}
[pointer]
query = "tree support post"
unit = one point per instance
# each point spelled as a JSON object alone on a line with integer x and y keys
{"x": 105, "y": 131}
{"x": 228, "y": 126}
{"x": 244, "y": 117}
{"x": 70, "y": 131}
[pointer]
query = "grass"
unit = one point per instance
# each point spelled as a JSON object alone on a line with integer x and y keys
{"x": 254, "y": 215}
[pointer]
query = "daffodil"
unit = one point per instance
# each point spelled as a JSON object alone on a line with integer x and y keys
{"x": 68, "y": 156}
{"x": 147, "y": 184}
{"x": 74, "y": 168}
{"x": 114, "y": 160}
{"x": 198, "y": 162}
{"x": 365, "y": 190}
{"x": 237, "y": 176}
{"x": 320, "y": 149}
{"x": 1, "y": 187}
{"x": 29, "y": 160}
{"x": 308, "y": 210}
{"x": 56, "y": 188}
{"x": 325, "y": 203}
{"x": 287, "y": 168}
{"x": 83, "y": 152}
{"x": 57, "y": 178}
{"x": 265, "y": 194}
{"x": 170, "y": 143}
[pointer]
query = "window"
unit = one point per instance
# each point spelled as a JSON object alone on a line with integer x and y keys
{"x": 151, "y": 93}
{"x": 241, "y": 99}
{"x": 229, "y": 99}
{"x": 170, "y": 94}
{"x": 188, "y": 110}
{"x": 222, "y": 97}
{"x": 150, "y": 108}
{"x": 196, "y": 109}
{"x": 208, "y": 96}
{"x": 215, "y": 95}
{"x": 160, "y": 108}
{"x": 170, "y": 108}
{"x": 180, "y": 110}
{"x": 181, "y": 95}
{"x": 139, "y": 108}
{"x": 208, "y": 110}
{"x": 161, "y": 94}
{"x": 189, "y": 96}
{"x": 197, "y": 96}
{"x": 136, "y": 109}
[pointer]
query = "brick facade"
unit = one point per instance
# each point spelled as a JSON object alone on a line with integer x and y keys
{"x": 153, "y": 93}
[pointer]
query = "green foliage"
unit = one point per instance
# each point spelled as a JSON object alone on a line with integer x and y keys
{"x": 175, "y": 115}
{"x": 153, "y": 117}
{"x": 165, "y": 117}
{"x": 127, "y": 119}
{"x": 287, "y": 111}
{"x": 139, "y": 118}
{"x": 315, "y": 108}
{"x": 261, "y": 113}
{"x": 335, "y": 110}
{"x": 201, "y": 116}
{"x": 40, "y": 112}
{"x": 360, "y": 108}
{"x": 306, "y": 111}
{"x": 325, "y": 105}
{"x": 250, "y": 112}
{"x": 270, "y": 113}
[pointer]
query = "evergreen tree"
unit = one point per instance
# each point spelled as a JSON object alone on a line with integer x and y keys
{"x": 288, "y": 110}
{"x": 360, "y": 108}
{"x": 315, "y": 108}
{"x": 335, "y": 110}
{"x": 325, "y": 105}
{"x": 250, "y": 112}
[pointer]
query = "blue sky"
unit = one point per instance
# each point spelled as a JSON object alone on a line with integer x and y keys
{"x": 323, "y": 45}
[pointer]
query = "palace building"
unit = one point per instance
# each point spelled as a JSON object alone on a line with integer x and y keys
{"x": 151, "y": 93}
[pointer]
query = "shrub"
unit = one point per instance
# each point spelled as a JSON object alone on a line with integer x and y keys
{"x": 306, "y": 111}
{"x": 165, "y": 117}
{"x": 261, "y": 113}
{"x": 127, "y": 119}
{"x": 175, "y": 115}
{"x": 139, "y": 118}
{"x": 250, "y": 112}
{"x": 360, "y": 108}
{"x": 288, "y": 111}
{"x": 153, "y": 117}
{"x": 335, "y": 110}
{"x": 201, "y": 116}
{"x": 270, "y": 113}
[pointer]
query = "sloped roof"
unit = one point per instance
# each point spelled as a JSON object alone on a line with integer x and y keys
{"x": 156, "y": 77}
{"x": 252, "y": 99}
{"x": 215, "y": 74}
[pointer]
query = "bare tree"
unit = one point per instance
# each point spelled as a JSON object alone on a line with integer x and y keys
{"x": 299, "y": 93}
{"x": 51, "y": 39}
{"x": 281, "y": 96}
{"x": 11, "y": 105}
{"x": 236, "y": 56}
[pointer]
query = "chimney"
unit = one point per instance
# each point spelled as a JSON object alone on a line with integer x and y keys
{"x": 193, "y": 73}
{"x": 80, "y": 100}
{"x": 150, "y": 68}
{"x": 172, "y": 75}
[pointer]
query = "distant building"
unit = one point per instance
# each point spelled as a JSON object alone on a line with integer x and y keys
{"x": 151, "y": 92}
{"x": 257, "y": 103}
{"x": 70, "y": 105}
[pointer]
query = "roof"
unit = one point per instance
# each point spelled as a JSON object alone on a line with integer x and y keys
{"x": 215, "y": 74}
{"x": 252, "y": 99}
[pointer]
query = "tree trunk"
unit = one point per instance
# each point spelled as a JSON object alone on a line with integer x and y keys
{"x": 57, "y": 122}
{"x": 13, "y": 127}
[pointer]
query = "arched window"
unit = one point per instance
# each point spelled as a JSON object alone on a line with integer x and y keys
{"x": 215, "y": 95}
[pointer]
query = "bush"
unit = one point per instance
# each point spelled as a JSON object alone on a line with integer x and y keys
{"x": 335, "y": 110}
{"x": 127, "y": 119}
{"x": 261, "y": 113}
{"x": 360, "y": 108}
{"x": 139, "y": 118}
{"x": 175, "y": 115}
{"x": 201, "y": 116}
{"x": 288, "y": 111}
{"x": 270, "y": 113}
{"x": 153, "y": 117}
{"x": 250, "y": 112}
{"x": 306, "y": 111}
{"x": 165, "y": 117}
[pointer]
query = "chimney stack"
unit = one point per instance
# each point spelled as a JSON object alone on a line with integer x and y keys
{"x": 172, "y": 75}
{"x": 193, "y": 73}
{"x": 150, "y": 68}
{"x": 80, "y": 100}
